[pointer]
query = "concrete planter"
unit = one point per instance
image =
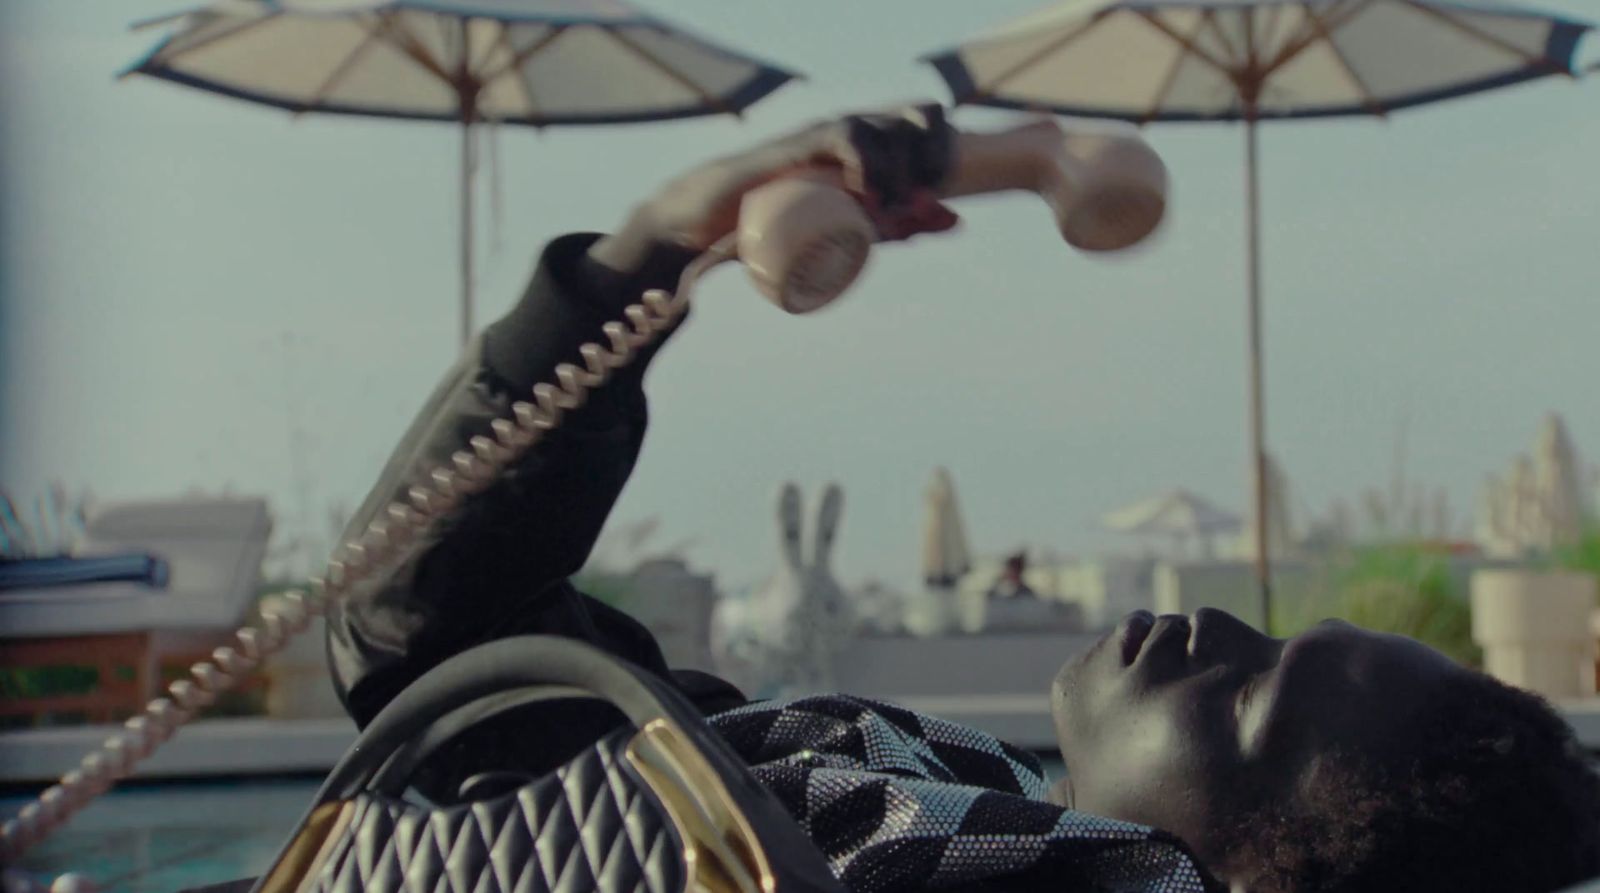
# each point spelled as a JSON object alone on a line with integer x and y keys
{"x": 298, "y": 682}
{"x": 1534, "y": 628}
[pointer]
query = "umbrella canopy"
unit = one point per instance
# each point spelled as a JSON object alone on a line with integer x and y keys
{"x": 535, "y": 62}
{"x": 946, "y": 557}
{"x": 1254, "y": 60}
{"x": 532, "y": 62}
{"x": 1208, "y": 60}
{"x": 1175, "y": 513}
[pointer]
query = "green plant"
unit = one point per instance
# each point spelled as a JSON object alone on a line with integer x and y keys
{"x": 1584, "y": 555}
{"x": 47, "y": 682}
{"x": 1403, "y": 589}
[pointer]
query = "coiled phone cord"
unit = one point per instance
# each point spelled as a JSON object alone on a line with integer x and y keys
{"x": 385, "y": 541}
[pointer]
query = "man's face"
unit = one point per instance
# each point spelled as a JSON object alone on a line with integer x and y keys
{"x": 1191, "y": 725}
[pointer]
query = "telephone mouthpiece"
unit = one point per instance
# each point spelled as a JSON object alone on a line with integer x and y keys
{"x": 803, "y": 241}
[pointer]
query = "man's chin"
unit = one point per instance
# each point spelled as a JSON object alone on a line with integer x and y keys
{"x": 1080, "y": 675}
{"x": 1067, "y": 707}
{"x": 1075, "y": 671}
{"x": 1086, "y": 686}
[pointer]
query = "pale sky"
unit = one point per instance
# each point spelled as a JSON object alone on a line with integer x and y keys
{"x": 188, "y": 279}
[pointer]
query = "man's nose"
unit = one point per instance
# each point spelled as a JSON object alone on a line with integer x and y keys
{"x": 1220, "y": 637}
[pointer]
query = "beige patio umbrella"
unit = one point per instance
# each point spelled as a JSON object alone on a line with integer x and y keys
{"x": 539, "y": 63}
{"x": 1177, "y": 514}
{"x": 1249, "y": 61}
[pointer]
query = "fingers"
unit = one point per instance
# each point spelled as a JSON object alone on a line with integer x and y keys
{"x": 921, "y": 213}
{"x": 892, "y": 162}
{"x": 893, "y": 156}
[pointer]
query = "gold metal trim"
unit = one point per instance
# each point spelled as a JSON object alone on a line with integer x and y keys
{"x": 304, "y": 857}
{"x": 721, "y": 850}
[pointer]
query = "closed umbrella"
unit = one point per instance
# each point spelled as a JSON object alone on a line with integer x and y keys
{"x": 946, "y": 557}
{"x": 533, "y": 62}
{"x": 1254, "y": 60}
{"x": 1559, "y": 485}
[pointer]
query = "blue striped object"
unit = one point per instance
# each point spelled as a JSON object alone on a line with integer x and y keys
{"x": 46, "y": 573}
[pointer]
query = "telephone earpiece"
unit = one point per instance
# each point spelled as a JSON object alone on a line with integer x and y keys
{"x": 804, "y": 240}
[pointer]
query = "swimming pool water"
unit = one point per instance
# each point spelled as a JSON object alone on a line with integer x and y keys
{"x": 169, "y": 837}
{"x": 160, "y": 838}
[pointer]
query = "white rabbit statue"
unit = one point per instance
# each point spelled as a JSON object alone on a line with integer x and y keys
{"x": 784, "y": 636}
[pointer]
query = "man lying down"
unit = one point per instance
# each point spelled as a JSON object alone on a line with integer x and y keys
{"x": 1336, "y": 760}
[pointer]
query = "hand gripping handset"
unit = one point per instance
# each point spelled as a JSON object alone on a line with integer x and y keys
{"x": 804, "y": 241}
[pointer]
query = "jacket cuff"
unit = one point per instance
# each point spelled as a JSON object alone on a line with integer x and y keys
{"x": 565, "y": 304}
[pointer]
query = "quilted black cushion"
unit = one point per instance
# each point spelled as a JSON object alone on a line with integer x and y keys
{"x": 592, "y": 826}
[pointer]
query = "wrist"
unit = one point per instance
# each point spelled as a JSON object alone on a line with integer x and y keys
{"x": 639, "y": 256}
{"x": 570, "y": 296}
{"x": 623, "y": 248}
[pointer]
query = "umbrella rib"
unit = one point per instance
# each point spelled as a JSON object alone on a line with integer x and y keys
{"x": 1529, "y": 59}
{"x": 514, "y": 67}
{"x": 1254, "y": 81}
{"x": 408, "y": 44}
{"x": 1209, "y": 17}
{"x": 488, "y": 48}
{"x": 1034, "y": 57}
{"x": 518, "y": 58}
{"x": 446, "y": 34}
{"x": 1296, "y": 47}
{"x": 1164, "y": 28}
{"x": 1270, "y": 30}
{"x": 168, "y": 59}
{"x": 671, "y": 73}
{"x": 1293, "y": 44}
{"x": 1367, "y": 98}
{"x": 340, "y": 70}
{"x": 1171, "y": 77}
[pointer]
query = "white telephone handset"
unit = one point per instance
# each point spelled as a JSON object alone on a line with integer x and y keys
{"x": 804, "y": 240}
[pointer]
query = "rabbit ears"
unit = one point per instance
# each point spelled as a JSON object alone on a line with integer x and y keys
{"x": 825, "y": 525}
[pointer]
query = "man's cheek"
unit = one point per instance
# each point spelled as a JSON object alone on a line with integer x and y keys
{"x": 1089, "y": 705}
{"x": 1142, "y": 771}
{"x": 1153, "y": 745}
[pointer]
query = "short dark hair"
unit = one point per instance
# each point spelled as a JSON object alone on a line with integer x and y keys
{"x": 1501, "y": 797}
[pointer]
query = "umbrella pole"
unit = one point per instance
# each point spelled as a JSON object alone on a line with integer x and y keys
{"x": 466, "y": 231}
{"x": 1258, "y": 454}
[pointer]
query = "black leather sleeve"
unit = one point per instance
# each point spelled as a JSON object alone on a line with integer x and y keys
{"x": 500, "y": 567}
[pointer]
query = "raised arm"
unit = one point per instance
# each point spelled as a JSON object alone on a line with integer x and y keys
{"x": 499, "y": 566}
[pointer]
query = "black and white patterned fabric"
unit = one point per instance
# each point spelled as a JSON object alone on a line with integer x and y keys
{"x": 901, "y": 801}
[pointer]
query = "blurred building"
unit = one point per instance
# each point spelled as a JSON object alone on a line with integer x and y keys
{"x": 675, "y": 603}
